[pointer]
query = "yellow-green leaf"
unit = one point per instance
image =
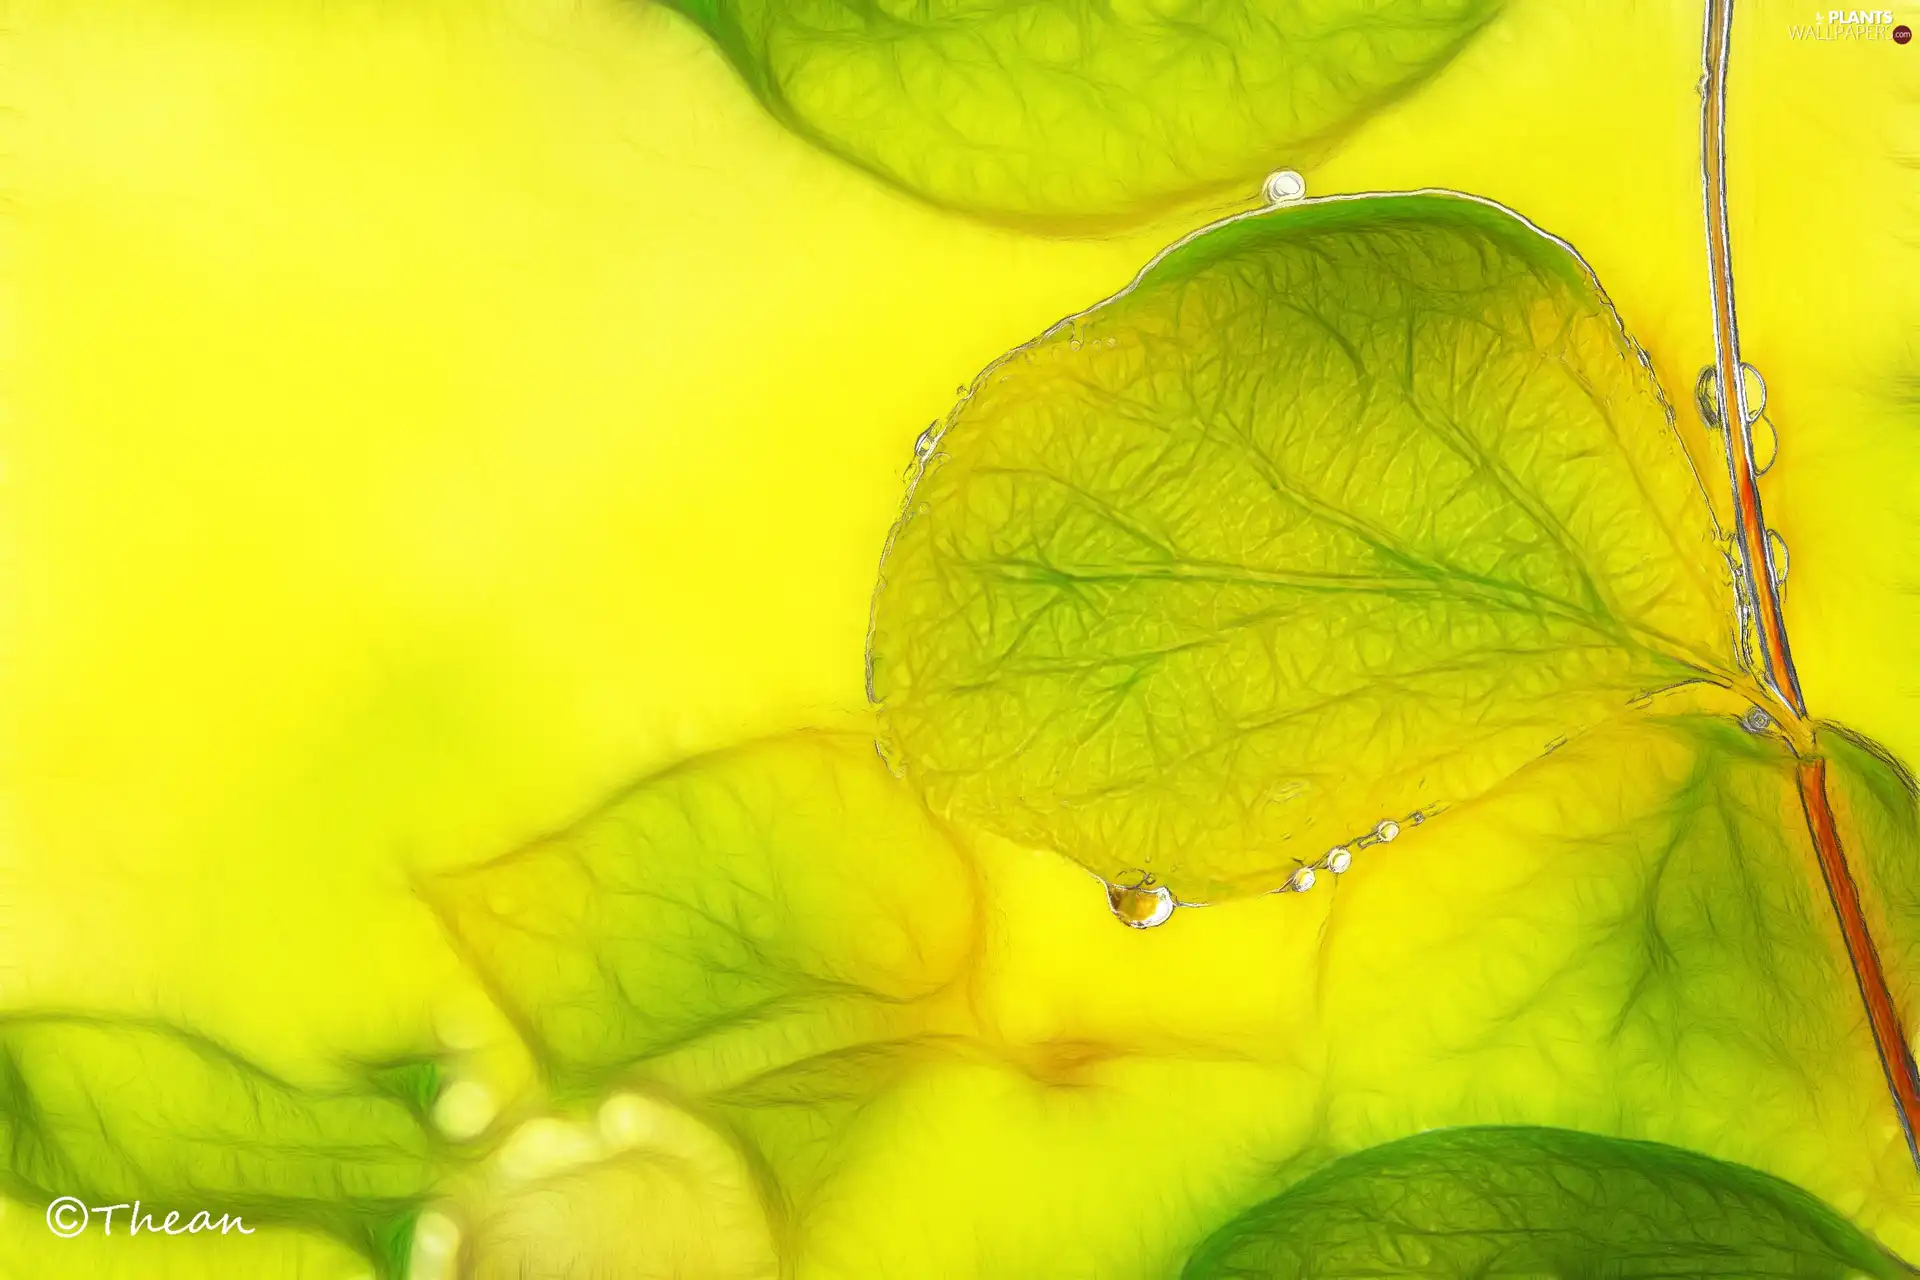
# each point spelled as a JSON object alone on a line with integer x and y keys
{"x": 1336, "y": 516}
{"x": 1071, "y": 112}
{"x": 116, "y": 1111}
{"x": 753, "y": 906}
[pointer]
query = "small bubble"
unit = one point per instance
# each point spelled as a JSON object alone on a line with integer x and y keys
{"x": 1302, "y": 880}
{"x": 1766, "y": 444}
{"x": 1754, "y": 388}
{"x": 1776, "y": 555}
{"x": 1284, "y": 186}
{"x": 1387, "y": 831}
{"x": 1073, "y": 345}
{"x": 1756, "y": 721}
{"x": 1140, "y": 906}
{"x": 1706, "y": 397}
{"x": 1339, "y": 860}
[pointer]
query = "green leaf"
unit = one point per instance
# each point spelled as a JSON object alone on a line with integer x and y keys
{"x": 114, "y": 1111}
{"x": 1071, "y": 112}
{"x": 1522, "y": 1202}
{"x": 741, "y": 911}
{"x": 801, "y": 1116}
{"x": 1339, "y": 514}
{"x": 1632, "y": 938}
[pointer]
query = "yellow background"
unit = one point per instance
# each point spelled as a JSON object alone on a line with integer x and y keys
{"x": 417, "y": 419}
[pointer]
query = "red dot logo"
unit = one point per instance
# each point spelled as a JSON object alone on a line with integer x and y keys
{"x": 1902, "y": 33}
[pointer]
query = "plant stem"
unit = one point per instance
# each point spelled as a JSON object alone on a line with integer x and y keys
{"x": 1888, "y": 1037}
{"x": 1750, "y": 525}
{"x": 1760, "y": 590}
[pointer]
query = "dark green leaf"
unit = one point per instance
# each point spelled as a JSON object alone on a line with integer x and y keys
{"x": 1511, "y": 1202}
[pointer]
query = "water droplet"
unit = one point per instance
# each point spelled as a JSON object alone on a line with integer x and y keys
{"x": 1766, "y": 444}
{"x": 1776, "y": 555}
{"x": 1074, "y": 345}
{"x": 1302, "y": 880}
{"x": 1754, "y": 388}
{"x": 1756, "y": 721}
{"x": 1387, "y": 831}
{"x": 1283, "y": 186}
{"x": 1706, "y": 397}
{"x": 1140, "y": 906}
{"x": 1339, "y": 860}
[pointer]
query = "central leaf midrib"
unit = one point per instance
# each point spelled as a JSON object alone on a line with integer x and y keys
{"x": 1437, "y": 584}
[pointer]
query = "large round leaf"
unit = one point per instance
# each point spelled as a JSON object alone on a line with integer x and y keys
{"x": 1337, "y": 515}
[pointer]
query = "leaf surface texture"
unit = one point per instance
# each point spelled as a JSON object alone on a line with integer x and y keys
{"x": 1514, "y": 1202}
{"x": 1338, "y": 515}
{"x": 1066, "y": 111}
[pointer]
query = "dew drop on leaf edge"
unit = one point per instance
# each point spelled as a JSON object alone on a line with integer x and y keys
{"x": 1141, "y": 906}
{"x": 1284, "y": 186}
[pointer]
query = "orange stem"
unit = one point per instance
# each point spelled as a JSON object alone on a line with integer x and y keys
{"x": 1750, "y": 525}
{"x": 1761, "y": 593}
{"x": 1889, "y": 1039}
